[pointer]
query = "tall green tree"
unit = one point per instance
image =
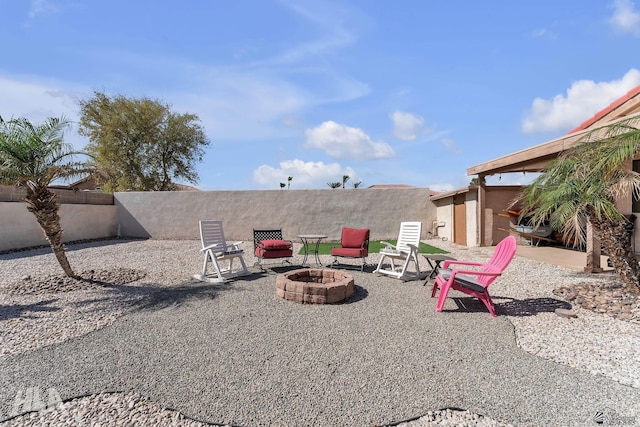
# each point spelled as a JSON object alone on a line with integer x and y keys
{"x": 140, "y": 144}
{"x": 582, "y": 186}
{"x": 32, "y": 157}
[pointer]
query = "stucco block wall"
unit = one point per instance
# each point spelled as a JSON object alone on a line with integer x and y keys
{"x": 19, "y": 229}
{"x": 496, "y": 228}
{"x": 471, "y": 205}
{"x": 13, "y": 194}
{"x": 175, "y": 215}
{"x": 498, "y": 198}
{"x": 444, "y": 211}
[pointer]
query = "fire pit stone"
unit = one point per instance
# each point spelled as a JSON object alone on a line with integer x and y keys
{"x": 315, "y": 286}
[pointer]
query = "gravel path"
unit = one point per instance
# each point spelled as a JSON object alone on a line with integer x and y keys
{"x": 236, "y": 353}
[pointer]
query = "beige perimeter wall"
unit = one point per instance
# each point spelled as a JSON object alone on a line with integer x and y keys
{"x": 19, "y": 229}
{"x": 175, "y": 215}
{"x": 83, "y": 215}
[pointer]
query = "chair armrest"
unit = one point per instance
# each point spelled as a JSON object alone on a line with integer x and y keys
{"x": 232, "y": 247}
{"x": 389, "y": 245}
{"x": 413, "y": 247}
{"x": 206, "y": 248}
{"x": 474, "y": 273}
{"x": 447, "y": 263}
{"x": 469, "y": 282}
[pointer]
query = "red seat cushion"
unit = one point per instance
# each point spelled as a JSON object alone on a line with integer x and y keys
{"x": 276, "y": 253}
{"x": 354, "y": 237}
{"x": 350, "y": 252}
{"x": 272, "y": 245}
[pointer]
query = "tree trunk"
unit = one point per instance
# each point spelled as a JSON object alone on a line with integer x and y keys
{"x": 43, "y": 204}
{"x": 616, "y": 243}
{"x": 594, "y": 250}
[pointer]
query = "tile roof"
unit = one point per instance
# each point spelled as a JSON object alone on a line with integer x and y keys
{"x": 600, "y": 114}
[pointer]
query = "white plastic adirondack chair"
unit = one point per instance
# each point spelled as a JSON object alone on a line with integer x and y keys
{"x": 404, "y": 251}
{"x": 216, "y": 250}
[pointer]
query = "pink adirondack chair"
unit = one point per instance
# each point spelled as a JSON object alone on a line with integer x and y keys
{"x": 474, "y": 282}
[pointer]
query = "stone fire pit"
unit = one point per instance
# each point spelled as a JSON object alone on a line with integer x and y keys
{"x": 315, "y": 286}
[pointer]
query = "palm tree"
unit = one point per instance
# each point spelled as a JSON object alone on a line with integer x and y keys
{"x": 289, "y": 179}
{"x": 32, "y": 157}
{"x": 582, "y": 186}
{"x": 345, "y": 178}
{"x": 357, "y": 184}
{"x": 336, "y": 184}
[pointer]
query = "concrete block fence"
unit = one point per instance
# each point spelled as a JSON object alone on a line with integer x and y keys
{"x": 175, "y": 215}
{"x": 83, "y": 215}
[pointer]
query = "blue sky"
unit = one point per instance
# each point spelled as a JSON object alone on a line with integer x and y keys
{"x": 387, "y": 92}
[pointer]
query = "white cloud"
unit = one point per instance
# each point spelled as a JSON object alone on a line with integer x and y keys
{"x": 38, "y": 100}
{"x": 545, "y": 34}
{"x": 451, "y": 146}
{"x": 340, "y": 141}
{"x": 442, "y": 188}
{"x": 583, "y": 99}
{"x": 455, "y": 182}
{"x": 241, "y": 105}
{"x": 252, "y": 97}
{"x": 515, "y": 178}
{"x": 40, "y": 7}
{"x": 406, "y": 126}
{"x": 305, "y": 174}
{"x": 626, "y": 18}
{"x": 35, "y": 100}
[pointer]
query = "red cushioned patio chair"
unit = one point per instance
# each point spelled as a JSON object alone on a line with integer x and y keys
{"x": 354, "y": 243}
{"x": 474, "y": 282}
{"x": 269, "y": 244}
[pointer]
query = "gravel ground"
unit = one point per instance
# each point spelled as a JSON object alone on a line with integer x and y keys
{"x": 138, "y": 337}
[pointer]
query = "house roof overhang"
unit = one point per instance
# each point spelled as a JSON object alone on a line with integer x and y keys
{"x": 452, "y": 193}
{"x": 534, "y": 159}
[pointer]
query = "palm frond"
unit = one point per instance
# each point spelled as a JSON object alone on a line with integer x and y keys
{"x": 36, "y": 155}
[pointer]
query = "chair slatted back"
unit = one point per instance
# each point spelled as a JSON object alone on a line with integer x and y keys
{"x": 502, "y": 256}
{"x": 410, "y": 232}
{"x": 211, "y": 233}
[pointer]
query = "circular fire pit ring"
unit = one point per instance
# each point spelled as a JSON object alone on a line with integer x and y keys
{"x": 315, "y": 286}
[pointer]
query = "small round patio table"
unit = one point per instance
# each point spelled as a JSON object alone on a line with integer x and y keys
{"x": 310, "y": 247}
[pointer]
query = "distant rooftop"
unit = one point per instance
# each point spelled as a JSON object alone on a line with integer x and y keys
{"x": 619, "y": 108}
{"x": 391, "y": 186}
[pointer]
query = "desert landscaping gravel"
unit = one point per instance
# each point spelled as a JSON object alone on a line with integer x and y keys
{"x": 137, "y": 340}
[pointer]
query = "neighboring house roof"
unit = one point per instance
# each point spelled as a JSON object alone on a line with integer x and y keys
{"x": 391, "y": 186}
{"x": 88, "y": 183}
{"x": 440, "y": 196}
{"x": 383, "y": 186}
{"x": 534, "y": 159}
{"x": 621, "y": 107}
{"x": 182, "y": 187}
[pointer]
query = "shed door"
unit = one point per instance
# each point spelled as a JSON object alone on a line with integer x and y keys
{"x": 459, "y": 220}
